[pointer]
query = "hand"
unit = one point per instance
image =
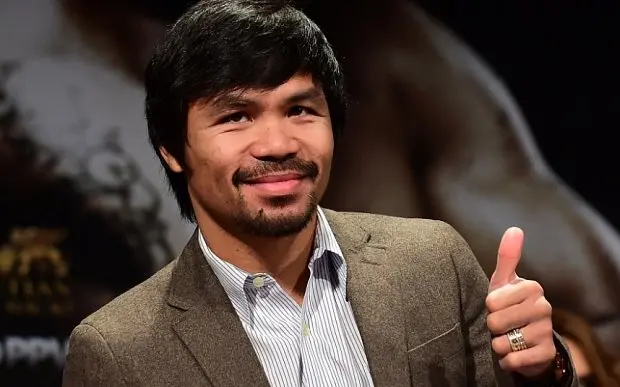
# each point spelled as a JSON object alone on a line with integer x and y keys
{"x": 513, "y": 303}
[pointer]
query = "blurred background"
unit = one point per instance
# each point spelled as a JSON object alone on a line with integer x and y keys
{"x": 482, "y": 116}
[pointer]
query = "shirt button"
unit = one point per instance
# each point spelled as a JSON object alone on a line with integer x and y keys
{"x": 258, "y": 282}
{"x": 305, "y": 329}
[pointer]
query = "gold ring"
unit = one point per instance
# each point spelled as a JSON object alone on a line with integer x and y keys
{"x": 516, "y": 340}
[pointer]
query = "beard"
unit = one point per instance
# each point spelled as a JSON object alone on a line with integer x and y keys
{"x": 265, "y": 225}
{"x": 273, "y": 219}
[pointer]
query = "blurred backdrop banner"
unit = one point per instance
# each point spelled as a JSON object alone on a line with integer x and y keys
{"x": 483, "y": 118}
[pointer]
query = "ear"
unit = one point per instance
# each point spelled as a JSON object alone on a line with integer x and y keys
{"x": 172, "y": 162}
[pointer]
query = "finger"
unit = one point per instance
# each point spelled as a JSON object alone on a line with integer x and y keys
{"x": 513, "y": 294}
{"x": 535, "y": 334}
{"x": 518, "y": 316}
{"x": 533, "y": 359}
{"x": 508, "y": 256}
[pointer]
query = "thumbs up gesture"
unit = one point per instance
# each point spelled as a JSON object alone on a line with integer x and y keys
{"x": 519, "y": 315}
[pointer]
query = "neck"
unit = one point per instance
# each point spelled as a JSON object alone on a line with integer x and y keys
{"x": 284, "y": 258}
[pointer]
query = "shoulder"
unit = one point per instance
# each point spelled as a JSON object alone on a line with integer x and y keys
{"x": 125, "y": 337}
{"x": 413, "y": 244}
{"x": 395, "y": 231}
{"x": 134, "y": 312}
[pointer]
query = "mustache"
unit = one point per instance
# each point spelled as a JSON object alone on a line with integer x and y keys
{"x": 303, "y": 167}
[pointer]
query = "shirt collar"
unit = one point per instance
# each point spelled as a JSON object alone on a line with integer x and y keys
{"x": 233, "y": 279}
{"x": 324, "y": 239}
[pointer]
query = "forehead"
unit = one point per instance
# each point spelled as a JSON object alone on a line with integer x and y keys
{"x": 297, "y": 87}
{"x": 293, "y": 85}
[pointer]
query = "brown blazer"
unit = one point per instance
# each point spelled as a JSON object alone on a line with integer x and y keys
{"x": 417, "y": 292}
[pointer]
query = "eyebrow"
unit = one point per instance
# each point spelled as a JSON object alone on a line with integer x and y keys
{"x": 311, "y": 94}
{"x": 234, "y": 100}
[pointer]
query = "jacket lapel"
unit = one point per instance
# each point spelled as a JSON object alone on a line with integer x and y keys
{"x": 374, "y": 291}
{"x": 209, "y": 326}
{"x": 212, "y": 331}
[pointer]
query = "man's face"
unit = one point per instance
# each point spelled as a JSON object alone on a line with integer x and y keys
{"x": 259, "y": 161}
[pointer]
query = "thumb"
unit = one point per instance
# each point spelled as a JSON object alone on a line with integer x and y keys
{"x": 508, "y": 256}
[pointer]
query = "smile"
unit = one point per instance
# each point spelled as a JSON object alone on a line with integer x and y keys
{"x": 283, "y": 184}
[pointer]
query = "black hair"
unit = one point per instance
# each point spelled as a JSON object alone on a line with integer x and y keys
{"x": 219, "y": 46}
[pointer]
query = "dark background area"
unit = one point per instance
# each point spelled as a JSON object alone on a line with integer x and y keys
{"x": 559, "y": 59}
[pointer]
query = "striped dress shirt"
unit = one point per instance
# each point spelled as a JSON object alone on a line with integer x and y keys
{"x": 315, "y": 344}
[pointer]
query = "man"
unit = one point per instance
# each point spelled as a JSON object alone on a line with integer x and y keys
{"x": 430, "y": 118}
{"x": 243, "y": 101}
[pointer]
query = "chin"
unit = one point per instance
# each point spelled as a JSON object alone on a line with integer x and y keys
{"x": 282, "y": 206}
{"x": 276, "y": 217}
{"x": 292, "y": 204}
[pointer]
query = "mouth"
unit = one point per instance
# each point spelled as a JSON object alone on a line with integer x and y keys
{"x": 277, "y": 184}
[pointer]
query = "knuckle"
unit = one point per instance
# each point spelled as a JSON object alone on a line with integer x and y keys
{"x": 548, "y": 307}
{"x": 544, "y": 307}
{"x": 491, "y": 303}
{"x": 494, "y": 323}
{"x": 535, "y": 288}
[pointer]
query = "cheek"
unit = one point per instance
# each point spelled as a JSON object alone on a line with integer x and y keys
{"x": 317, "y": 138}
{"x": 210, "y": 168}
{"x": 319, "y": 145}
{"x": 323, "y": 148}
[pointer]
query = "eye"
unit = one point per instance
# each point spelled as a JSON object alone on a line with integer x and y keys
{"x": 300, "y": 111}
{"x": 234, "y": 118}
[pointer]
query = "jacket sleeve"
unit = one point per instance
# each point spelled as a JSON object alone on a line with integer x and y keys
{"x": 473, "y": 285}
{"x": 90, "y": 362}
{"x": 571, "y": 379}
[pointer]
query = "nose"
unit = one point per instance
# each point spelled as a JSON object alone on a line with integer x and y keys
{"x": 274, "y": 142}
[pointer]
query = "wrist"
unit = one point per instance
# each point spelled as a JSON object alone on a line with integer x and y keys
{"x": 554, "y": 375}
